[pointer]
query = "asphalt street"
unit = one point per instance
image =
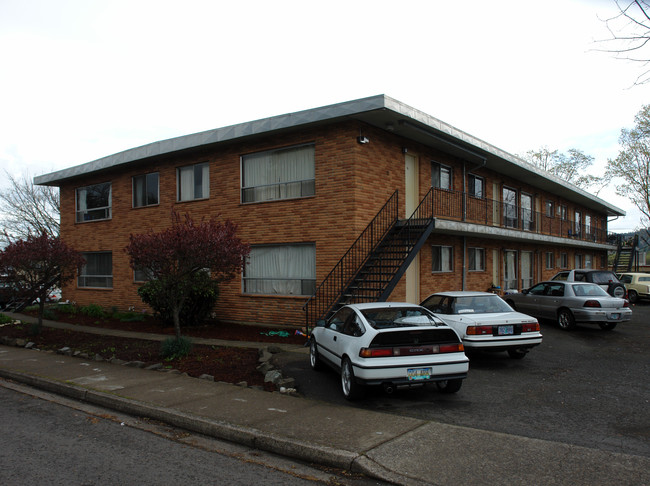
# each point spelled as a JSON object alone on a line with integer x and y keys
{"x": 587, "y": 387}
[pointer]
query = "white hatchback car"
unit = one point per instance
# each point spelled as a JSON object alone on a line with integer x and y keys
{"x": 485, "y": 322}
{"x": 389, "y": 344}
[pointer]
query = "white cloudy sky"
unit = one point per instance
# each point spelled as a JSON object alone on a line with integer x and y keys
{"x": 82, "y": 79}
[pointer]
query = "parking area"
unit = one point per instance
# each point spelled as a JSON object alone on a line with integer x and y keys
{"x": 586, "y": 387}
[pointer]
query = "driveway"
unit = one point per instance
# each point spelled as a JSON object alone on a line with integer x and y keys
{"x": 588, "y": 387}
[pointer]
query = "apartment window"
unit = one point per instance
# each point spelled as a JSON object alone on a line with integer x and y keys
{"x": 443, "y": 259}
{"x": 476, "y": 186}
{"x": 509, "y": 198}
{"x": 278, "y": 174}
{"x": 579, "y": 259}
{"x": 588, "y": 261}
{"x": 563, "y": 212}
{"x": 441, "y": 176}
{"x": 93, "y": 202}
{"x": 564, "y": 260}
{"x": 527, "y": 212}
{"x": 145, "y": 190}
{"x": 550, "y": 260}
{"x": 142, "y": 275}
{"x": 577, "y": 223}
{"x": 587, "y": 224}
{"x": 193, "y": 182}
{"x": 97, "y": 271}
{"x": 281, "y": 269}
{"x": 550, "y": 209}
{"x": 476, "y": 259}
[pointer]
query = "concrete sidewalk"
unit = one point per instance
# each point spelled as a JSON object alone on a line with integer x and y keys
{"x": 401, "y": 450}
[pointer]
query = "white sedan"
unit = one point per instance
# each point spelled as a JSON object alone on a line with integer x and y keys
{"x": 485, "y": 322}
{"x": 388, "y": 344}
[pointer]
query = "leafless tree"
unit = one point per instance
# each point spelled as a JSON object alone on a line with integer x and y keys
{"x": 630, "y": 34}
{"x": 27, "y": 209}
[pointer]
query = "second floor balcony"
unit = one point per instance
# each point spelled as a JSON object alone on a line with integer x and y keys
{"x": 465, "y": 208}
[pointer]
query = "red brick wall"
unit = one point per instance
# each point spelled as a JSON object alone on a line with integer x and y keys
{"x": 353, "y": 181}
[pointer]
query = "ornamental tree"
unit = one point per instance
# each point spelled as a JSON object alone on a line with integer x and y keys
{"x": 38, "y": 264}
{"x": 174, "y": 256}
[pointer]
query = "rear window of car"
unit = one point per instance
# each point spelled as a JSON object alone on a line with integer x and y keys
{"x": 589, "y": 290}
{"x": 398, "y": 317}
{"x": 482, "y": 304}
{"x": 603, "y": 277}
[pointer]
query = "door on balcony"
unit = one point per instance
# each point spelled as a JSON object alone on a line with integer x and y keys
{"x": 411, "y": 201}
{"x": 509, "y": 270}
{"x": 509, "y": 200}
{"x": 526, "y": 269}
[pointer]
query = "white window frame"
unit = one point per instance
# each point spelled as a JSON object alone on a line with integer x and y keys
{"x": 278, "y": 174}
{"x": 438, "y": 171}
{"x": 85, "y": 214}
{"x": 186, "y": 184}
{"x": 473, "y": 181}
{"x": 476, "y": 259}
{"x": 144, "y": 181}
{"x": 550, "y": 260}
{"x": 96, "y": 279}
{"x": 444, "y": 255}
{"x": 281, "y": 270}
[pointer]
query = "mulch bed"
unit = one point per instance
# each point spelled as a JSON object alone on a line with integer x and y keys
{"x": 228, "y": 364}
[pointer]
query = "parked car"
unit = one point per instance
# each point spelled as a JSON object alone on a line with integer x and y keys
{"x": 570, "y": 303}
{"x": 388, "y": 344}
{"x": 606, "y": 279}
{"x": 485, "y": 322}
{"x": 637, "y": 285}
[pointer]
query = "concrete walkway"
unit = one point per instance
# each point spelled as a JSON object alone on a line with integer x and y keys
{"x": 401, "y": 450}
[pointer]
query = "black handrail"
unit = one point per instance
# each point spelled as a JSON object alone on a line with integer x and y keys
{"x": 330, "y": 290}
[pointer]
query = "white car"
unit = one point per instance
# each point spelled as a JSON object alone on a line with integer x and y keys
{"x": 485, "y": 322}
{"x": 388, "y": 344}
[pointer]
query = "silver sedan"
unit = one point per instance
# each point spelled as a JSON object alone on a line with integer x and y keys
{"x": 570, "y": 303}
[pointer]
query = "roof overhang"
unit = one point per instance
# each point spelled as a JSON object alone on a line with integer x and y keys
{"x": 380, "y": 111}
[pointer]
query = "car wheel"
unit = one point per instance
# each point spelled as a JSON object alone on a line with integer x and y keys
{"x": 632, "y": 296}
{"x": 449, "y": 386}
{"x": 517, "y": 353}
{"x": 314, "y": 359}
{"x": 566, "y": 320}
{"x": 351, "y": 389}
{"x": 607, "y": 326}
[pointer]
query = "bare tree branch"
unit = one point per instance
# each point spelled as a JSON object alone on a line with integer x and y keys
{"x": 27, "y": 209}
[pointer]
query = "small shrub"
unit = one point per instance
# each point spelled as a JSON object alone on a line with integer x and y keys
{"x": 5, "y": 319}
{"x": 49, "y": 314}
{"x": 173, "y": 348}
{"x": 129, "y": 316}
{"x": 67, "y": 309}
{"x": 92, "y": 310}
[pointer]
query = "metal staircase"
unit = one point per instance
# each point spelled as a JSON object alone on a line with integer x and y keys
{"x": 376, "y": 261}
{"x": 625, "y": 258}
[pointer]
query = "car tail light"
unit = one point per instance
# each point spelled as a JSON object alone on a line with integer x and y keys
{"x": 530, "y": 327}
{"x": 411, "y": 350}
{"x": 626, "y": 303}
{"x": 591, "y": 303}
{"x": 479, "y": 330}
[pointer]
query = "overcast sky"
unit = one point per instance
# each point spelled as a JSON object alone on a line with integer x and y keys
{"x": 83, "y": 79}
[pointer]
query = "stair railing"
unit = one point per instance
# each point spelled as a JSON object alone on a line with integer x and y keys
{"x": 330, "y": 290}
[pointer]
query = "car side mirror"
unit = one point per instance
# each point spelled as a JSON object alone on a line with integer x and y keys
{"x": 320, "y": 323}
{"x": 525, "y": 291}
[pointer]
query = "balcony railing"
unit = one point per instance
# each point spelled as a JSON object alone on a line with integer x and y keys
{"x": 460, "y": 206}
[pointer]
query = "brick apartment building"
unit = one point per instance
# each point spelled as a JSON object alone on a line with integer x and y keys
{"x": 363, "y": 200}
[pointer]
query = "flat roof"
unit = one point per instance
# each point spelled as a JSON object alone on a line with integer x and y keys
{"x": 380, "y": 111}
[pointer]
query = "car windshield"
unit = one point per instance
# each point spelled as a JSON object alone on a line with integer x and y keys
{"x": 398, "y": 317}
{"x": 589, "y": 290}
{"x": 481, "y": 304}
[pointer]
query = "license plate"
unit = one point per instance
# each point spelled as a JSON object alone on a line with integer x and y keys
{"x": 506, "y": 330}
{"x": 614, "y": 316}
{"x": 415, "y": 374}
